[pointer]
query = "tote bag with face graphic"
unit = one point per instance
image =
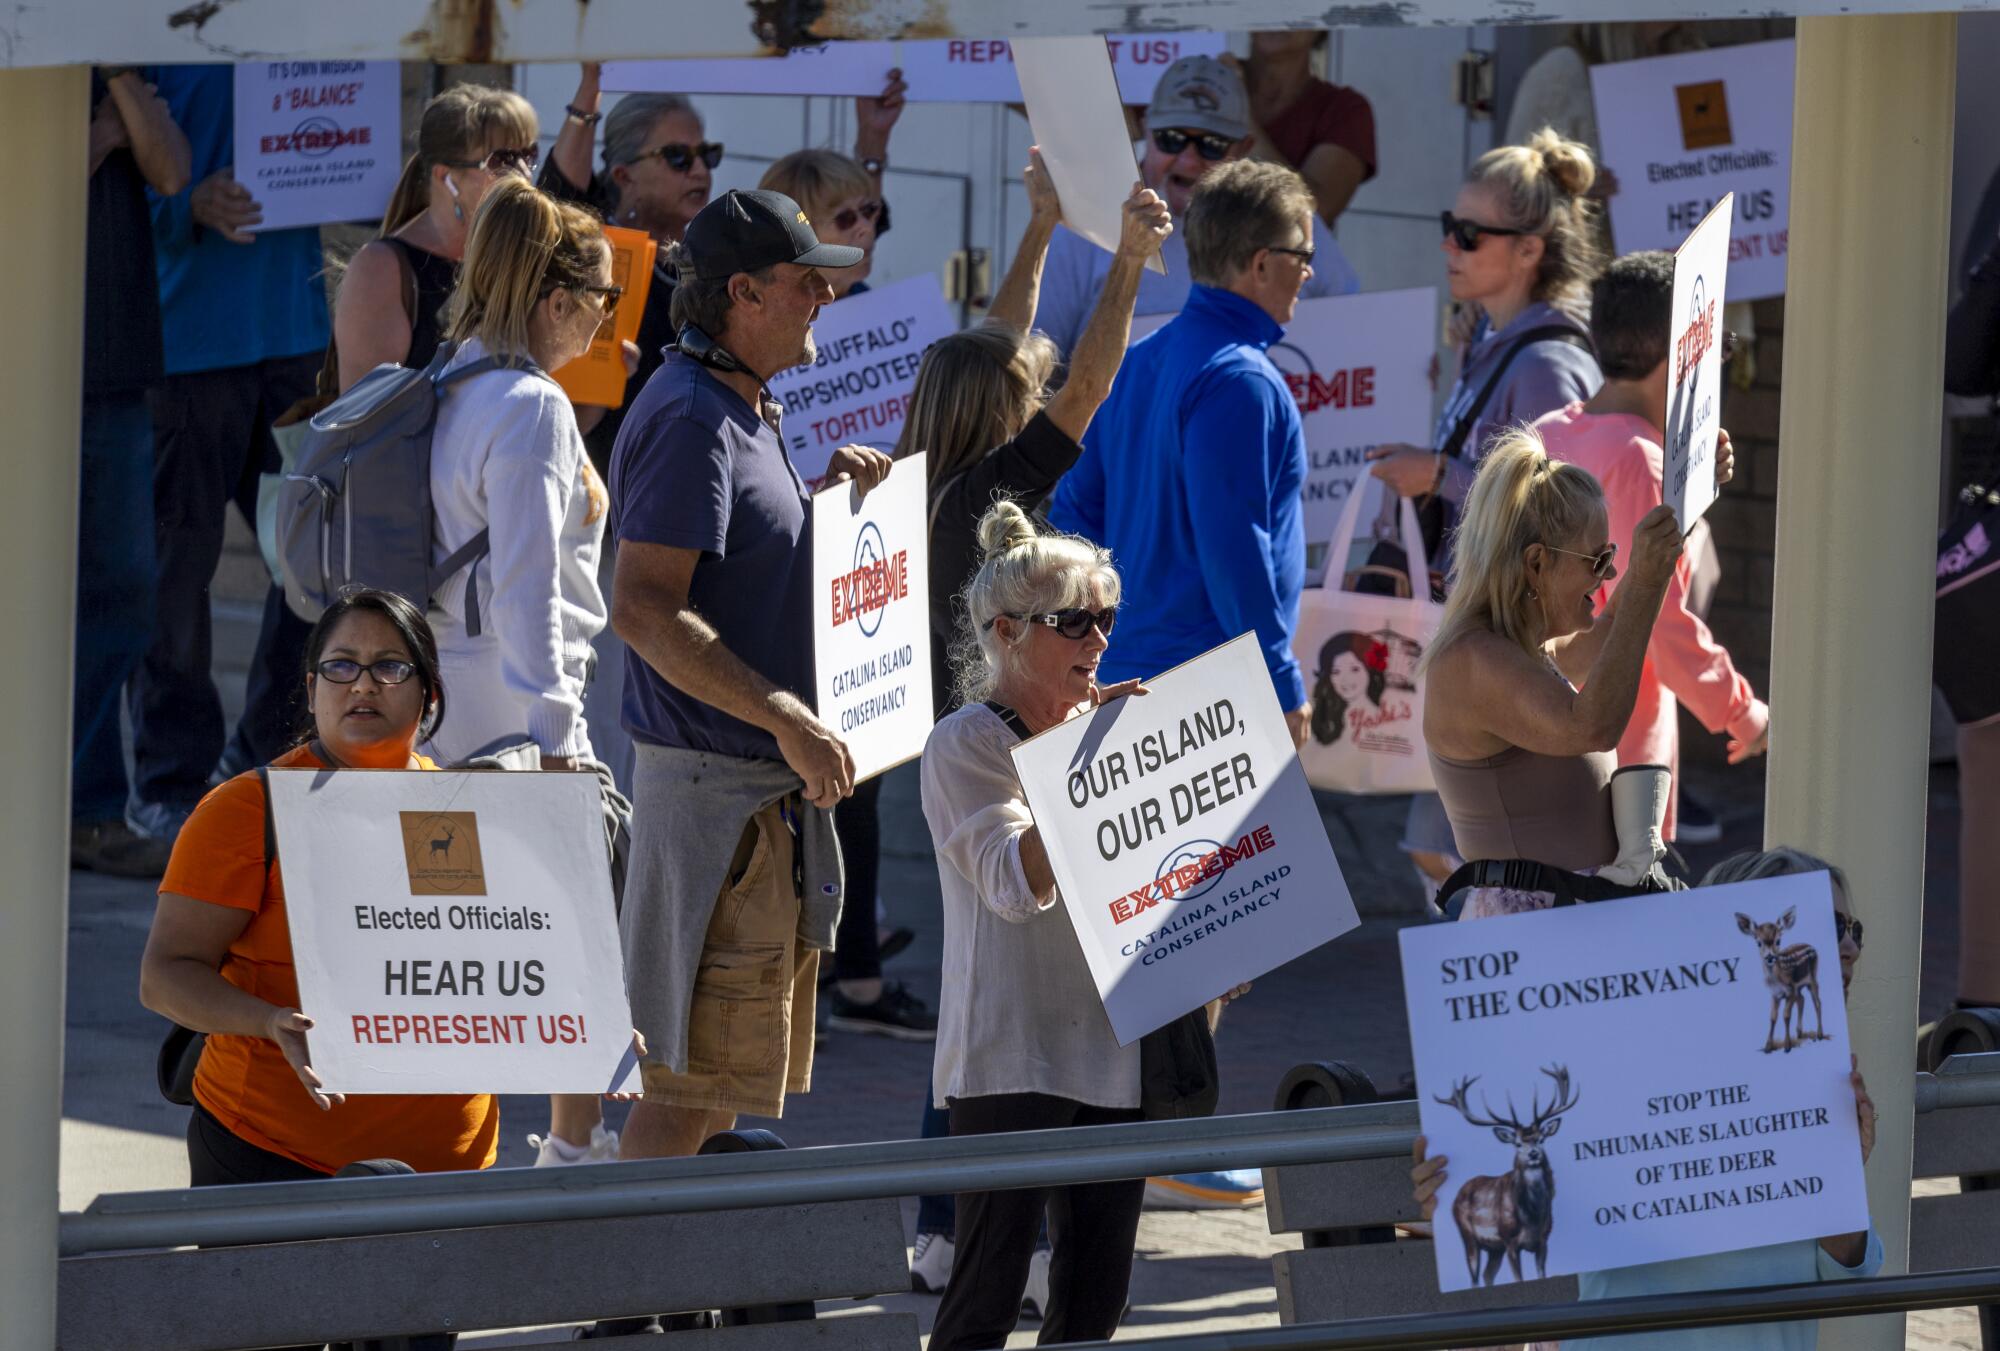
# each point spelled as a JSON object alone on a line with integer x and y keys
{"x": 1359, "y": 653}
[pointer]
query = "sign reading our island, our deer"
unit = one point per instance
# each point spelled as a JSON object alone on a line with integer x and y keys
{"x": 1635, "y": 1080}
{"x": 453, "y": 932}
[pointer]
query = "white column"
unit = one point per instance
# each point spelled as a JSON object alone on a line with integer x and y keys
{"x": 41, "y": 351}
{"x": 1857, "y": 527}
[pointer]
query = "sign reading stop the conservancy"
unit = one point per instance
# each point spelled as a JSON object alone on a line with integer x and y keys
{"x": 1184, "y": 838}
{"x": 871, "y": 617}
{"x": 453, "y": 933}
{"x": 319, "y": 141}
{"x": 1635, "y": 1081}
{"x": 857, "y": 390}
{"x": 1694, "y": 366}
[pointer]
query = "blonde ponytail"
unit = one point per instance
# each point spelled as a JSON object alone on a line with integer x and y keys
{"x": 1541, "y": 188}
{"x": 1519, "y": 497}
{"x": 523, "y": 245}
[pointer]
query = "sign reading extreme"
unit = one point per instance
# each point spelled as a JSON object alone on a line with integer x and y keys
{"x": 319, "y": 142}
{"x": 453, "y": 932}
{"x": 871, "y": 616}
{"x": 1184, "y": 838}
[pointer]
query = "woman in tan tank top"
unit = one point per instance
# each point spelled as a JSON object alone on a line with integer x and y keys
{"x": 1527, "y": 687}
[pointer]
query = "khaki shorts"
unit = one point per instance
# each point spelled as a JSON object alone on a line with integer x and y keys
{"x": 750, "y": 1030}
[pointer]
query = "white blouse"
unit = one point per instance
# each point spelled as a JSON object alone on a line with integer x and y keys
{"x": 1019, "y": 1012}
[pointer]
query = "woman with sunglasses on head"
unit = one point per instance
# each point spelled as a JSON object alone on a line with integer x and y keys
{"x": 844, "y": 202}
{"x": 393, "y": 291}
{"x": 219, "y": 957}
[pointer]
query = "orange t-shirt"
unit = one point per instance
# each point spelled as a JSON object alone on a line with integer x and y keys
{"x": 246, "y": 1082}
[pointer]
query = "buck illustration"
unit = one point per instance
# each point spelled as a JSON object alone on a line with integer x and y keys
{"x": 1514, "y": 1212}
{"x": 1791, "y": 973}
{"x": 441, "y": 844}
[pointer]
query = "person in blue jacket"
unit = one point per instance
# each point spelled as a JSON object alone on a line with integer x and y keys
{"x": 1191, "y": 470}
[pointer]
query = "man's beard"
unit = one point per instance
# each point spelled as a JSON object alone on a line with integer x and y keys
{"x": 808, "y": 352}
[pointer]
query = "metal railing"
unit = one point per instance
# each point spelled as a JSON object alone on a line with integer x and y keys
{"x": 352, "y": 1207}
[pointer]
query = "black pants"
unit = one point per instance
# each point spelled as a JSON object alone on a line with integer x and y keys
{"x": 1092, "y": 1229}
{"x": 218, "y": 1157}
{"x": 211, "y": 442}
{"x": 858, "y": 822}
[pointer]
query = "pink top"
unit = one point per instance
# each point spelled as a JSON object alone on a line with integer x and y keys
{"x": 1683, "y": 660}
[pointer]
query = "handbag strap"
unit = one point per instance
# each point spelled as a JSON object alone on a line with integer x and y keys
{"x": 1454, "y": 444}
{"x": 1525, "y": 874}
{"x": 1014, "y": 721}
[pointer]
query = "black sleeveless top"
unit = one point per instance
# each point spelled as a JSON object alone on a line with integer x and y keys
{"x": 435, "y": 277}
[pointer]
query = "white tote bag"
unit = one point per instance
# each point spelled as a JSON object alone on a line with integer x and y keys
{"x": 1359, "y": 654}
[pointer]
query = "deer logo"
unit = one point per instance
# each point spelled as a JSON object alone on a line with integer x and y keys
{"x": 441, "y": 844}
{"x": 1514, "y": 1212}
{"x": 1791, "y": 974}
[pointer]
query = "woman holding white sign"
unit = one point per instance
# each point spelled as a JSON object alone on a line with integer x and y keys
{"x": 219, "y": 958}
{"x": 1023, "y": 1040}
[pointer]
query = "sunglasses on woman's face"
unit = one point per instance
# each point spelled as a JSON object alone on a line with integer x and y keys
{"x": 1077, "y": 622}
{"x": 1207, "y": 144}
{"x": 849, "y": 216}
{"x": 1600, "y": 562}
{"x": 505, "y": 160}
{"x": 388, "y": 671}
{"x": 1467, "y": 233}
{"x": 681, "y": 157}
{"x": 1844, "y": 925}
{"x": 609, "y": 296}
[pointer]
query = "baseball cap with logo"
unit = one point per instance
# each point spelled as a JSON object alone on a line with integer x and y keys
{"x": 1199, "y": 93}
{"x": 749, "y": 231}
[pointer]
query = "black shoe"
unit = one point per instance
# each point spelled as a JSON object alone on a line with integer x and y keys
{"x": 1695, "y": 823}
{"x": 898, "y": 1014}
{"x": 116, "y": 850}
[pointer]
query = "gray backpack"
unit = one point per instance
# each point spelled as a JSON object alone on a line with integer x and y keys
{"x": 356, "y": 508}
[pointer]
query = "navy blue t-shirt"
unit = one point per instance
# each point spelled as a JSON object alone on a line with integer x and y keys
{"x": 695, "y": 467}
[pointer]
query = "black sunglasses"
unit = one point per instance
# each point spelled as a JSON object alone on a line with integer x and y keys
{"x": 1072, "y": 623}
{"x": 611, "y": 296}
{"x": 1843, "y": 925}
{"x": 1207, "y": 144}
{"x": 504, "y": 160}
{"x": 1303, "y": 255}
{"x": 680, "y": 157}
{"x": 1466, "y": 233}
{"x": 1600, "y": 562}
{"x": 848, "y": 216}
{"x": 388, "y": 671}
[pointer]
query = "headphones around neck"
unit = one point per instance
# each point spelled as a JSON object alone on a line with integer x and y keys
{"x": 693, "y": 342}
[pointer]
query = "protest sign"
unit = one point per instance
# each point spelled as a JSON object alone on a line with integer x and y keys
{"x": 1694, "y": 366}
{"x": 943, "y": 70}
{"x": 857, "y": 390}
{"x": 871, "y": 616}
{"x": 453, "y": 932}
{"x": 1184, "y": 838}
{"x": 598, "y": 376}
{"x": 1680, "y": 131}
{"x": 319, "y": 141}
{"x": 1079, "y": 127}
{"x": 1691, "y": 1049}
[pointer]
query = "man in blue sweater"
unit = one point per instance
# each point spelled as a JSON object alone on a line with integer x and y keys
{"x": 1191, "y": 470}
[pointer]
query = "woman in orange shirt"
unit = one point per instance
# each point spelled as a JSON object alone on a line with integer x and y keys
{"x": 219, "y": 959}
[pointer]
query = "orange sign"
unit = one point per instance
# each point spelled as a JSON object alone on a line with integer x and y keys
{"x": 598, "y": 376}
{"x": 441, "y": 852}
{"x": 1704, "y": 114}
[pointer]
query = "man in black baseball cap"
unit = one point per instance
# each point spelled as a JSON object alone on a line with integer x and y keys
{"x": 750, "y": 231}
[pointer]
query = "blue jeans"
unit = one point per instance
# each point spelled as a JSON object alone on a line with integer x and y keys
{"x": 114, "y": 593}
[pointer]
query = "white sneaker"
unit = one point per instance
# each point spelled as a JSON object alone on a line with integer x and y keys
{"x": 552, "y": 1151}
{"x": 930, "y": 1264}
{"x": 1035, "y": 1299}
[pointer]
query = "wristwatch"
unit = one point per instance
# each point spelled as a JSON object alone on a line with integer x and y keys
{"x": 588, "y": 119}
{"x": 875, "y": 164}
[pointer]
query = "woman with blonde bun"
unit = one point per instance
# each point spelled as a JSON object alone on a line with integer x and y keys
{"x": 1527, "y": 687}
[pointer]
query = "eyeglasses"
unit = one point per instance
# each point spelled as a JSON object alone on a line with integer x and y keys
{"x": 1843, "y": 925}
{"x": 1600, "y": 562}
{"x": 1466, "y": 233}
{"x": 1072, "y": 623}
{"x": 506, "y": 159}
{"x": 847, "y": 217}
{"x": 388, "y": 671}
{"x": 1206, "y": 143}
{"x": 680, "y": 157}
{"x": 610, "y": 295}
{"x": 1305, "y": 256}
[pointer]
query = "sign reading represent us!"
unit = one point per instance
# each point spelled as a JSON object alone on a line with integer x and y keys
{"x": 1184, "y": 838}
{"x": 871, "y": 616}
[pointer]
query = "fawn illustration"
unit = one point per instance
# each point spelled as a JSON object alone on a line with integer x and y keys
{"x": 1514, "y": 1212}
{"x": 1791, "y": 973}
{"x": 442, "y": 843}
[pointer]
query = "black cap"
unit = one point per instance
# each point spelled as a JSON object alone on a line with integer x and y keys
{"x": 750, "y": 231}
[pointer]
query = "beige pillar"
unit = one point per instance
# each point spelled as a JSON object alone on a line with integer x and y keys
{"x": 41, "y": 349}
{"x": 1857, "y": 525}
